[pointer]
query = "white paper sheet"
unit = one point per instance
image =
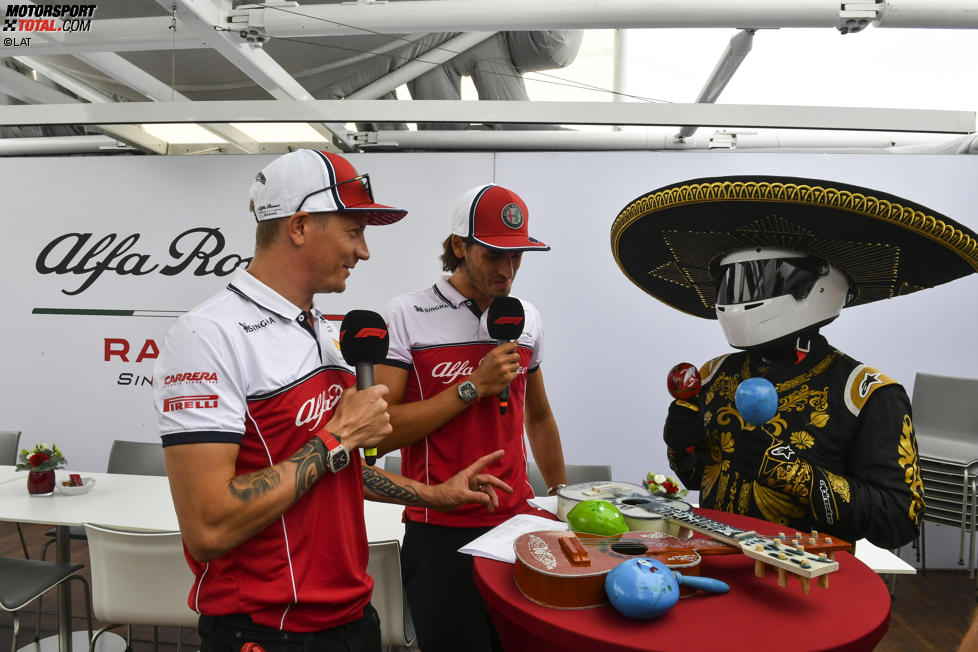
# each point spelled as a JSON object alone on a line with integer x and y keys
{"x": 547, "y": 503}
{"x": 497, "y": 543}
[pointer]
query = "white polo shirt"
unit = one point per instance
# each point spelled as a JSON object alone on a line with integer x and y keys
{"x": 440, "y": 337}
{"x": 241, "y": 368}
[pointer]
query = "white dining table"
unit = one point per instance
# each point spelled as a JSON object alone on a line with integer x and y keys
{"x": 133, "y": 502}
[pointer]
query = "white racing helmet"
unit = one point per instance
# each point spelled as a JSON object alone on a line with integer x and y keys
{"x": 765, "y": 294}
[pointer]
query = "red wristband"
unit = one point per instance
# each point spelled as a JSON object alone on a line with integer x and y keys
{"x": 328, "y": 438}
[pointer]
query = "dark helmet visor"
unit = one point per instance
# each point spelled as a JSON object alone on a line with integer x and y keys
{"x": 757, "y": 280}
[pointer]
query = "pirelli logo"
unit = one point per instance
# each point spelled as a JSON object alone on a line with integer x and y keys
{"x": 190, "y": 402}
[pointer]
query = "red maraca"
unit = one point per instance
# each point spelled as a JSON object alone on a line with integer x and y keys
{"x": 683, "y": 381}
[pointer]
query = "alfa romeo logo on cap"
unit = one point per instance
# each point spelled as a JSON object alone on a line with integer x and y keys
{"x": 512, "y": 216}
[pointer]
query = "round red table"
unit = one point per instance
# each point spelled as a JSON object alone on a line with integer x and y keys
{"x": 853, "y": 613}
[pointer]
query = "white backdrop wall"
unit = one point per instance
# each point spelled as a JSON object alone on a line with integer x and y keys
{"x": 151, "y": 237}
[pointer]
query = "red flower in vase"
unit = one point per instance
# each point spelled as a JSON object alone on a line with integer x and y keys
{"x": 37, "y": 459}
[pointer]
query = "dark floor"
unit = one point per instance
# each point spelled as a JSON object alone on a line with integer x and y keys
{"x": 930, "y": 612}
{"x": 142, "y": 639}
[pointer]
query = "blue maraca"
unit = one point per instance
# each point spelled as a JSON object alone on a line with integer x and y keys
{"x": 756, "y": 400}
{"x": 643, "y": 588}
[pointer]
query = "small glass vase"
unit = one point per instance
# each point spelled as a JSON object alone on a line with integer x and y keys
{"x": 40, "y": 483}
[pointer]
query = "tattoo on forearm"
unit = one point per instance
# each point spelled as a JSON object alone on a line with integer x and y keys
{"x": 251, "y": 486}
{"x": 381, "y": 485}
{"x": 310, "y": 461}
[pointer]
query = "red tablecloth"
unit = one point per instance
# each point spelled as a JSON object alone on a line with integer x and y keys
{"x": 757, "y": 614}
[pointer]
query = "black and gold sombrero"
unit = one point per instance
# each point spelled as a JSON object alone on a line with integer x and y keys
{"x": 669, "y": 242}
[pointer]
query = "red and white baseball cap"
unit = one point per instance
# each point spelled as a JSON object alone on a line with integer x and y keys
{"x": 495, "y": 217}
{"x": 316, "y": 182}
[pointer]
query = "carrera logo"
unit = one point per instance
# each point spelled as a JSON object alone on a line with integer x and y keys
{"x": 190, "y": 402}
{"x": 312, "y": 411}
{"x": 190, "y": 377}
{"x": 515, "y": 321}
{"x": 450, "y": 371}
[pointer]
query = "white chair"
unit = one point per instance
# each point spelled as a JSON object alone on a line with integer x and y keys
{"x": 138, "y": 578}
{"x": 396, "y": 626}
{"x": 945, "y": 420}
{"x": 9, "y": 447}
{"x": 575, "y": 473}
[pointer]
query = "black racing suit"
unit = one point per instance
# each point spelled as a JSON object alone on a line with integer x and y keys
{"x": 839, "y": 456}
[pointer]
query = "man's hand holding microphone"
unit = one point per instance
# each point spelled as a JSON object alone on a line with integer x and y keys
{"x": 505, "y": 320}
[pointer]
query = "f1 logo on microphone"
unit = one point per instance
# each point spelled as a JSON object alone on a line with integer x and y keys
{"x": 371, "y": 332}
{"x": 515, "y": 321}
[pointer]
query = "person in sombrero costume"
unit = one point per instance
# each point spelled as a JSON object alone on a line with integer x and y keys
{"x": 774, "y": 259}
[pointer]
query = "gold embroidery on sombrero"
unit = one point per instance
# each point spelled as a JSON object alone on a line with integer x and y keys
{"x": 908, "y": 457}
{"x": 873, "y": 266}
{"x": 869, "y": 206}
{"x": 672, "y": 273}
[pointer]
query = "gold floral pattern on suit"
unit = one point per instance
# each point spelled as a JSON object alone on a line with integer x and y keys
{"x": 808, "y": 375}
{"x": 790, "y": 477}
{"x": 802, "y": 440}
{"x": 725, "y": 386}
{"x": 776, "y": 506}
{"x": 838, "y": 485}
{"x": 908, "y": 460}
{"x": 746, "y": 491}
{"x": 806, "y": 397}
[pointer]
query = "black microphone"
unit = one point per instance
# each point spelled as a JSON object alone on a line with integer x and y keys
{"x": 363, "y": 343}
{"x": 505, "y": 321}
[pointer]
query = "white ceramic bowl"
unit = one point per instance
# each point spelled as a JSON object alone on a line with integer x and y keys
{"x": 87, "y": 484}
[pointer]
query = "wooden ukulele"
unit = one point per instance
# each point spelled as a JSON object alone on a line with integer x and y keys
{"x": 562, "y": 569}
{"x": 809, "y": 556}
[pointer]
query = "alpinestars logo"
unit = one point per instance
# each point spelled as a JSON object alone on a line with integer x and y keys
{"x": 868, "y": 382}
{"x": 189, "y": 402}
{"x": 48, "y": 18}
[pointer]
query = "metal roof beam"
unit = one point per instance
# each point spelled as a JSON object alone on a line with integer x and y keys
{"x": 502, "y": 15}
{"x": 506, "y": 112}
{"x": 134, "y": 77}
{"x": 201, "y": 16}
{"x": 357, "y": 18}
{"x": 419, "y": 66}
{"x": 738, "y": 47}
{"x": 27, "y": 90}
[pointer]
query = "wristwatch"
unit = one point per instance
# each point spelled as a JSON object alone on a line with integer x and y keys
{"x": 467, "y": 391}
{"x": 337, "y": 455}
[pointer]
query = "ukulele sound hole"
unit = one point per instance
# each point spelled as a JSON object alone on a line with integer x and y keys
{"x": 635, "y": 501}
{"x": 629, "y": 548}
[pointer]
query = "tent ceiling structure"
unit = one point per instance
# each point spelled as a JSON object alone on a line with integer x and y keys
{"x": 114, "y": 67}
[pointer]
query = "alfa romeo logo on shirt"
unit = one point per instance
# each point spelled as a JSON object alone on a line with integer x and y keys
{"x": 512, "y": 216}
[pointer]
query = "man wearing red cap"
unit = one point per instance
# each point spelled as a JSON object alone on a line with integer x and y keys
{"x": 444, "y": 371}
{"x": 260, "y": 420}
